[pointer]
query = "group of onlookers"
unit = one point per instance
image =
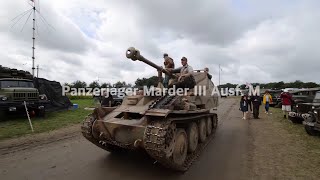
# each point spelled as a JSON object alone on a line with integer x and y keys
{"x": 252, "y": 104}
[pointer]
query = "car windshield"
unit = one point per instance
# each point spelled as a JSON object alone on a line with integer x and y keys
{"x": 317, "y": 97}
{"x": 119, "y": 95}
{"x": 275, "y": 94}
{"x": 9, "y": 84}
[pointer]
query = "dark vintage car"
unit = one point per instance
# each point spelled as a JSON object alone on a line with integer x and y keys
{"x": 117, "y": 98}
{"x": 304, "y": 95}
{"x": 312, "y": 122}
{"x": 301, "y": 108}
{"x": 275, "y": 94}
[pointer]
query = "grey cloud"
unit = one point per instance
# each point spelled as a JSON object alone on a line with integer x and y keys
{"x": 72, "y": 59}
{"x": 257, "y": 41}
{"x": 208, "y": 21}
{"x": 64, "y": 36}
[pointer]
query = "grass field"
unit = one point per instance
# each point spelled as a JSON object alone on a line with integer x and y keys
{"x": 298, "y": 131}
{"x": 15, "y": 127}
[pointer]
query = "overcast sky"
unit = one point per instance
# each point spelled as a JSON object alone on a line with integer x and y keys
{"x": 252, "y": 40}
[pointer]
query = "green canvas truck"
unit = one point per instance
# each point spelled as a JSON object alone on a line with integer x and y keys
{"x": 16, "y": 92}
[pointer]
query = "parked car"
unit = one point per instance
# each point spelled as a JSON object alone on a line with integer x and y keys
{"x": 301, "y": 108}
{"x": 118, "y": 98}
{"x": 304, "y": 95}
{"x": 312, "y": 122}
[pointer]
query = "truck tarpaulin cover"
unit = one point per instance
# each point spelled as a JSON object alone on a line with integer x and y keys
{"x": 53, "y": 90}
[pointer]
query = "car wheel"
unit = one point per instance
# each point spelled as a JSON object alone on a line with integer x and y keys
{"x": 310, "y": 130}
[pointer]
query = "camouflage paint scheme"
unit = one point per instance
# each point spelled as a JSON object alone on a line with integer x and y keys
{"x": 164, "y": 126}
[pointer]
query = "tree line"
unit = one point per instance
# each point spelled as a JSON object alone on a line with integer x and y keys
{"x": 96, "y": 84}
{"x": 276, "y": 85}
{"x": 153, "y": 81}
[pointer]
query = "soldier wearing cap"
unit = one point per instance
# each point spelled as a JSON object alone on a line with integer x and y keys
{"x": 186, "y": 78}
{"x": 206, "y": 70}
{"x": 169, "y": 65}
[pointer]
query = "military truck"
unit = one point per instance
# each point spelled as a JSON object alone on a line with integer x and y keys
{"x": 301, "y": 108}
{"x": 15, "y": 93}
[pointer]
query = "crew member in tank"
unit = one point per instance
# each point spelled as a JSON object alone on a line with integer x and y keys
{"x": 169, "y": 65}
{"x": 186, "y": 78}
{"x": 206, "y": 70}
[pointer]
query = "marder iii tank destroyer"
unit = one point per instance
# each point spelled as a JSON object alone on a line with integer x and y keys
{"x": 172, "y": 129}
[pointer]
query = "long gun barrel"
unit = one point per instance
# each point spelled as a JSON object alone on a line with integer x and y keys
{"x": 134, "y": 55}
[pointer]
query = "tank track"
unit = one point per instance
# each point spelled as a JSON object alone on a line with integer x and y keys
{"x": 157, "y": 137}
{"x": 155, "y": 144}
{"x": 109, "y": 145}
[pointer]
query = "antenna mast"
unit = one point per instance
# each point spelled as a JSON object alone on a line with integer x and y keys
{"x": 33, "y": 35}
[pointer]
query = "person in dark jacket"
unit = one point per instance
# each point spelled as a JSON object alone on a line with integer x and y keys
{"x": 107, "y": 101}
{"x": 244, "y": 106}
{"x": 256, "y": 102}
{"x": 249, "y": 103}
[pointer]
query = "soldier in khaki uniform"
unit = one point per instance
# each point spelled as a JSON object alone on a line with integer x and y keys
{"x": 169, "y": 65}
{"x": 186, "y": 78}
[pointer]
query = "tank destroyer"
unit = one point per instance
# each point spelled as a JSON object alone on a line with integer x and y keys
{"x": 172, "y": 129}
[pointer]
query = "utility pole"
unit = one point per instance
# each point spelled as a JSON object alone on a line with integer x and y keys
{"x": 219, "y": 74}
{"x": 37, "y": 71}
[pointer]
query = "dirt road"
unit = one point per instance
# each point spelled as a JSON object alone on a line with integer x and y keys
{"x": 231, "y": 155}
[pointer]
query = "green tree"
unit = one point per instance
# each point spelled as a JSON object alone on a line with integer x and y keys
{"x": 94, "y": 84}
{"x": 278, "y": 85}
{"x": 310, "y": 85}
{"x": 105, "y": 85}
{"x": 120, "y": 84}
{"x": 152, "y": 81}
{"x": 79, "y": 84}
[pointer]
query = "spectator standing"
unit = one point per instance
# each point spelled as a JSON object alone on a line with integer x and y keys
{"x": 244, "y": 106}
{"x": 250, "y": 103}
{"x": 107, "y": 100}
{"x": 267, "y": 99}
{"x": 256, "y": 102}
{"x": 286, "y": 99}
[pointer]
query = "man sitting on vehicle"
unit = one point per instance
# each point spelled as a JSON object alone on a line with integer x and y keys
{"x": 186, "y": 78}
{"x": 206, "y": 70}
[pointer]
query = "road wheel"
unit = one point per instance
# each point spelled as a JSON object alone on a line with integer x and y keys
{"x": 202, "y": 130}
{"x": 193, "y": 137}
{"x": 180, "y": 150}
{"x": 215, "y": 122}
{"x": 310, "y": 130}
{"x": 209, "y": 126}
